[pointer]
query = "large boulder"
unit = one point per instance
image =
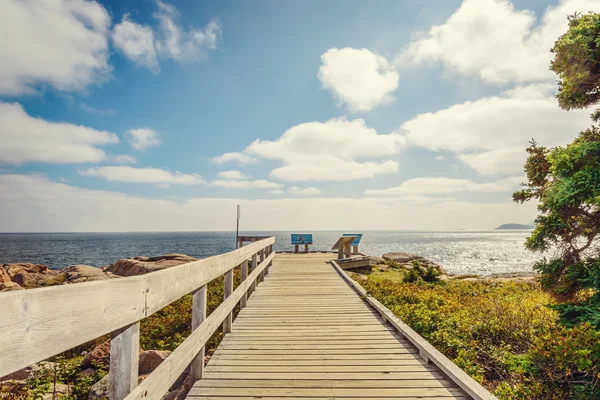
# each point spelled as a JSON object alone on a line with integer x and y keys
{"x": 24, "y": 279}
{"x": 144, "y": 265}
{"x": 151, "y": 359}
{"x": 84, "y": 273}
{"x": 14, "y": 268}
{"x": 401, "y": 257}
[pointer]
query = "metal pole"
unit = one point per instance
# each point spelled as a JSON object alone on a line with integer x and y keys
{"x": 237, "y": 229}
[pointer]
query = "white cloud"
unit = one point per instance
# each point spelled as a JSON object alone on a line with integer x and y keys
{"x": 358, "y": 78}
{"x": 123, "y": 159}
{"x": 237, "y": 184}
{"x": 436, "y": 186}
{"x": 142, "y": 175}
{"x": 310, "y": 191}
{"x": 494, "y": 41}
{"x": 237, "y": 157}
{"x": 137, "y": 43}
{"x": 24, "y": 138}
{"x": 57, "y": 207}
{"x": 180, "y": 45}
{"x": 276, "y": 191}
{"x": 235, "y": 175}
{"x": 142, "y": 138}
{"x": 144, "y": 46}
{"x": 93, "y": 110}
{"x": 336, "y": 150}
{"x": 60, "y": 43}
{"x": 491, "y": 134}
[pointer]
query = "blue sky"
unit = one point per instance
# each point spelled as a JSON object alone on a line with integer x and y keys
{"x": 152, "y": 115}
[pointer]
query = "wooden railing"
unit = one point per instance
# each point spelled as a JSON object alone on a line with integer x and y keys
{"x": 40, "y": 323}
{"x": 427, "y": 352}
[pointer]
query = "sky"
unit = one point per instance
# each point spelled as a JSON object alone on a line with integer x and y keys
{"x": 148, "y": 115}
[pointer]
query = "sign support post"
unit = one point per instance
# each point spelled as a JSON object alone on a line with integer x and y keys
{"x": 237, "y": 228}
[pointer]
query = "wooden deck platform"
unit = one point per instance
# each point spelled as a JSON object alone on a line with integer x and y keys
{"x": 306, "y": 334}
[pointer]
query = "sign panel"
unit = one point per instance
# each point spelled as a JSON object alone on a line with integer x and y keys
{"x": 342, "y": 241}
{"x": 357, "y": 240}
{"x": 301, "y": 238}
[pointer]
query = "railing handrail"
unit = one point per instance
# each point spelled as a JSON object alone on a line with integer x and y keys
{"x": 40, "y": 323}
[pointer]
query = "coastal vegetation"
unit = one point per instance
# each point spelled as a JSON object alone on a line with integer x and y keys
{"x": 500, "y": 331}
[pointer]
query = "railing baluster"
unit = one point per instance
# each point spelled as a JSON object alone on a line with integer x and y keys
{"x": 253, "y": 285}
{"x": 244, "y": 276}
{"x": 124, "y": 360}
{"x": 227, "y": 290}
{"x": 262, "y": 258}
{"x": 198, "y": 316}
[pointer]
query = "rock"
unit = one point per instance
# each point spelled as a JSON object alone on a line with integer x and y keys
{"x": 88, "y": 372}
{"x": 401, "y": 257}
{"x": 98, "y": 357}
{"x": 14, "y": 268}
{"x": 27, "y": 372}
{"x": 8, "y": 286}
{"x": 99, "y": 391}
{"x": 4, "y": 277}
{"x": 49, "y": 277}
{"x": 20, "y": 375}
{"x": 374, "y": 260}
{"x": 181, "y": 392}
{"x": 151, "y": 359}
{"x": 84, "y": 273}
{"x": 24, "y": 279}
{"x": 144, "y": 265}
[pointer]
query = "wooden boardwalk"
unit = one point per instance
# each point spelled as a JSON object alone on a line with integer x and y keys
{"x": 306, "y": 334}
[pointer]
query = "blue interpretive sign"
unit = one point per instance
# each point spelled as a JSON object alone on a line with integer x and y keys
{"x": 301, "y": 238}
{"x": 357, "y": 240}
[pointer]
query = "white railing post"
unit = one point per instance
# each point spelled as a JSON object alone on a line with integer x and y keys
{"x": 243, "y": 277}
{"x": 262, "y": 258}
{"x": 227, "y": 290}
{"x": 124, "y": 360}
{"x": 198, "y": 316}
{"x": 253, "y": 267}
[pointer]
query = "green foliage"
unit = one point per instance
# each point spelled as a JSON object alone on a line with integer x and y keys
{"x": 577, "y": 63}
{"x": 500, "y": 333}
{"x": 419, "y": 273}
{"x": 566, "y": 183}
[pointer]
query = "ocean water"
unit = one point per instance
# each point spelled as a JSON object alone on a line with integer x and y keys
{"x": 479, "y": 252}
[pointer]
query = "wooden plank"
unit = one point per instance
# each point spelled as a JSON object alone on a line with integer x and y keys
{"x": 35, "y": 325}
{"x": 325, "y": 392}
{"x": 377, "y": 376}
{"x": 124, "y": 359}
{"x": 330, "y": 383}
{"x": 201, "y": 397}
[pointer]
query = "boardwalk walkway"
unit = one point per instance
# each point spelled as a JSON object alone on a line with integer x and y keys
{"x": 305, "y": 333}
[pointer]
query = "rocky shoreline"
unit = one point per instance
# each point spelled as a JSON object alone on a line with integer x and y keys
{"x": 408, "y": 261}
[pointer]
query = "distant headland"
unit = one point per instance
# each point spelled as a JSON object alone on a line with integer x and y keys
{"x": 515, "y": 226}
